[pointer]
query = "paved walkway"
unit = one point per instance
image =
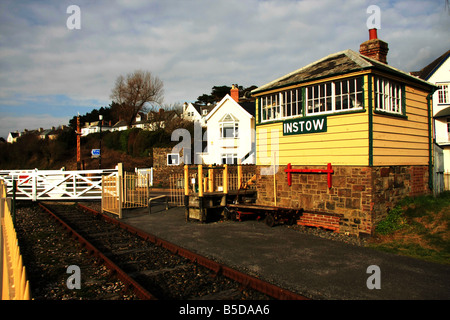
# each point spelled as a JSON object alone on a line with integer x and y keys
{"x": 312, "y": 266}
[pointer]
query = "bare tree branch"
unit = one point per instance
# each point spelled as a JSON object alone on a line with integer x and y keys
{"x": 134, "y": 92}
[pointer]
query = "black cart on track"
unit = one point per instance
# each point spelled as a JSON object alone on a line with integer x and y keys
{"x": 272, "y": 215}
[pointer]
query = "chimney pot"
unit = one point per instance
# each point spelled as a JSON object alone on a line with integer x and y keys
{"x": 373, "y": 34}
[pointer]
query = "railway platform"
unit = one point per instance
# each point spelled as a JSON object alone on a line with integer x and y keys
{"x": 315, "y": 267}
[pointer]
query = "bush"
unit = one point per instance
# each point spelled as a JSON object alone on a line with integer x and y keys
{"x": 112, "y": 140}
{"x": 143, "y": 143}
{"x": 394, "y": 221}
{"x": 123, "y": 140}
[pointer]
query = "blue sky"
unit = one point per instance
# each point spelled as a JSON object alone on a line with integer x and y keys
{"x": 49, "y": 73}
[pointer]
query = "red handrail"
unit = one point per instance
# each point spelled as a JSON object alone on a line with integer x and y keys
{"x": 329, "y": 171}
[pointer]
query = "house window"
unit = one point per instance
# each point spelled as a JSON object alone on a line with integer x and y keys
{"x": 336, "y": 96}
{"x": 444, "y": 93}
{"x": 173, "y": 159}
{"x": 388, "y": 96}
{"x": 281, "y": 105}
{"x": 229, "y": 158}
{"x": 229, "y": 127}
{"x": 448, "y": 128}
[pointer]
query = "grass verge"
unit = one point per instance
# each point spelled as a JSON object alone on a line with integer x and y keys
{"x": 418, "y": 227}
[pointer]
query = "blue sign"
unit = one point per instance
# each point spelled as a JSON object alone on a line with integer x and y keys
{"x": 95, "y": 153}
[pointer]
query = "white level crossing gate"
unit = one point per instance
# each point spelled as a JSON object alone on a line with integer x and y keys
{"x": 56, "y": 184}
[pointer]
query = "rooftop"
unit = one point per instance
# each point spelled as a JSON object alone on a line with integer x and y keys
{"x": 339, "y": 63}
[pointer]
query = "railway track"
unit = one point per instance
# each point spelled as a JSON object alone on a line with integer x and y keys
{"x": 155, "y": 269}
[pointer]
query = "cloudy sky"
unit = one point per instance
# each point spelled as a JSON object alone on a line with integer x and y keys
{"x": 49, "y": 73}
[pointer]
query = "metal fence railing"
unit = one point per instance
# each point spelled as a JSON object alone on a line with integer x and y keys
{"x": 112, "y": 195}
{"x": 13, "y": 278}
{"x": 213, "y": 181}
{"x": 126, "y": 190}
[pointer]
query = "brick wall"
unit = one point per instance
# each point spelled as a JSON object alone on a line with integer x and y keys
{"x": 321, "y": 220}
{"x": 358, "y": 199}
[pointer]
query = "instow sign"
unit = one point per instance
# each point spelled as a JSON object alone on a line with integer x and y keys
{"x": 304, "y": 125}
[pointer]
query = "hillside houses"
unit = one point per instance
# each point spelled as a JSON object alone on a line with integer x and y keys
{"x": 196, "y": 112}
{"x": 151, "y": 121}
{"x": 42, "y": 133}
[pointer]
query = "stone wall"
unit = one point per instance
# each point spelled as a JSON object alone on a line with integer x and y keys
{"x": 391, "y": 184}
{"x": 162, "y": 171}
{"x": 358, "y": 199}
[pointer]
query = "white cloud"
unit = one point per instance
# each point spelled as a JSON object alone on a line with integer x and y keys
{"x": 46, "y": 121}
{"x": 194, "y": 45}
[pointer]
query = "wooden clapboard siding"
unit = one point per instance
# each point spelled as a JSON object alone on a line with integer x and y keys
{"x": 388, "y": 160}
{"x": 403, "y": 141}
{"x": 344, "y": 143}
{"x": 360, "y": 138}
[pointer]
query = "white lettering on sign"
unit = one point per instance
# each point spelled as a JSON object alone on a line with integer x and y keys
{"x": 305, "y": 126}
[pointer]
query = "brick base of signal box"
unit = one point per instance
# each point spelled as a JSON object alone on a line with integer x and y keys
{"x": 358, "y": 199}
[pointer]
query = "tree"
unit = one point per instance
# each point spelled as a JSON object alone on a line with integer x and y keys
{"x": 218, "y": 92}
{"x": 93, "y": 116}
{"x": 133, "y": 92}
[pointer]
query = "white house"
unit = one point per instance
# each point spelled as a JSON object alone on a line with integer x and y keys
{"x": 196, "y": 113}
{"x": 121, "y": 125}
{"x": 230, "y": 133}
{"x": 12, "y": 136}
{"x": 93, "y": 127}
{"x": 438, "y": 73}
{"x": 141, "y": 121}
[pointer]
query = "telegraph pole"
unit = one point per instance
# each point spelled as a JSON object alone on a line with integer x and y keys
{"x": 78, "y": 143}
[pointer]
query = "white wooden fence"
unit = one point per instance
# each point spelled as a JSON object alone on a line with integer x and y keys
{"x": 56, "y": 184}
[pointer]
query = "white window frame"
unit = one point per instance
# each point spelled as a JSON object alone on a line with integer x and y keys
{"x": 292, "y": 103}
{"x": 448, "y": 129}
{"x": 388, "y": 96}
{"x": 173, "y": 156}
{"x": 324, "y": 98}
{"x": 443, "y": 93}
{"x": 232, "y": 125}
{"x": 281, "y": 105}
{"x": 229, "y": 156}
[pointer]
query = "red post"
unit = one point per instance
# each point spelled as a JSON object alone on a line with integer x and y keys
{"x": 289, "y": 177}
{"x": 78, "y": 144}
{"x": 330, "y": 171}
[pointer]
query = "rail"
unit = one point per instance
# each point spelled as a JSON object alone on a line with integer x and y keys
{"x": 218, "y": 268}
{"x": 156, "y": 199}
{"x": 13, "y": 279}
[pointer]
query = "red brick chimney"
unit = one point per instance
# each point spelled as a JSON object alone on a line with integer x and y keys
{"x": 234, "y": 93}
{"x": 374, "y": 48}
